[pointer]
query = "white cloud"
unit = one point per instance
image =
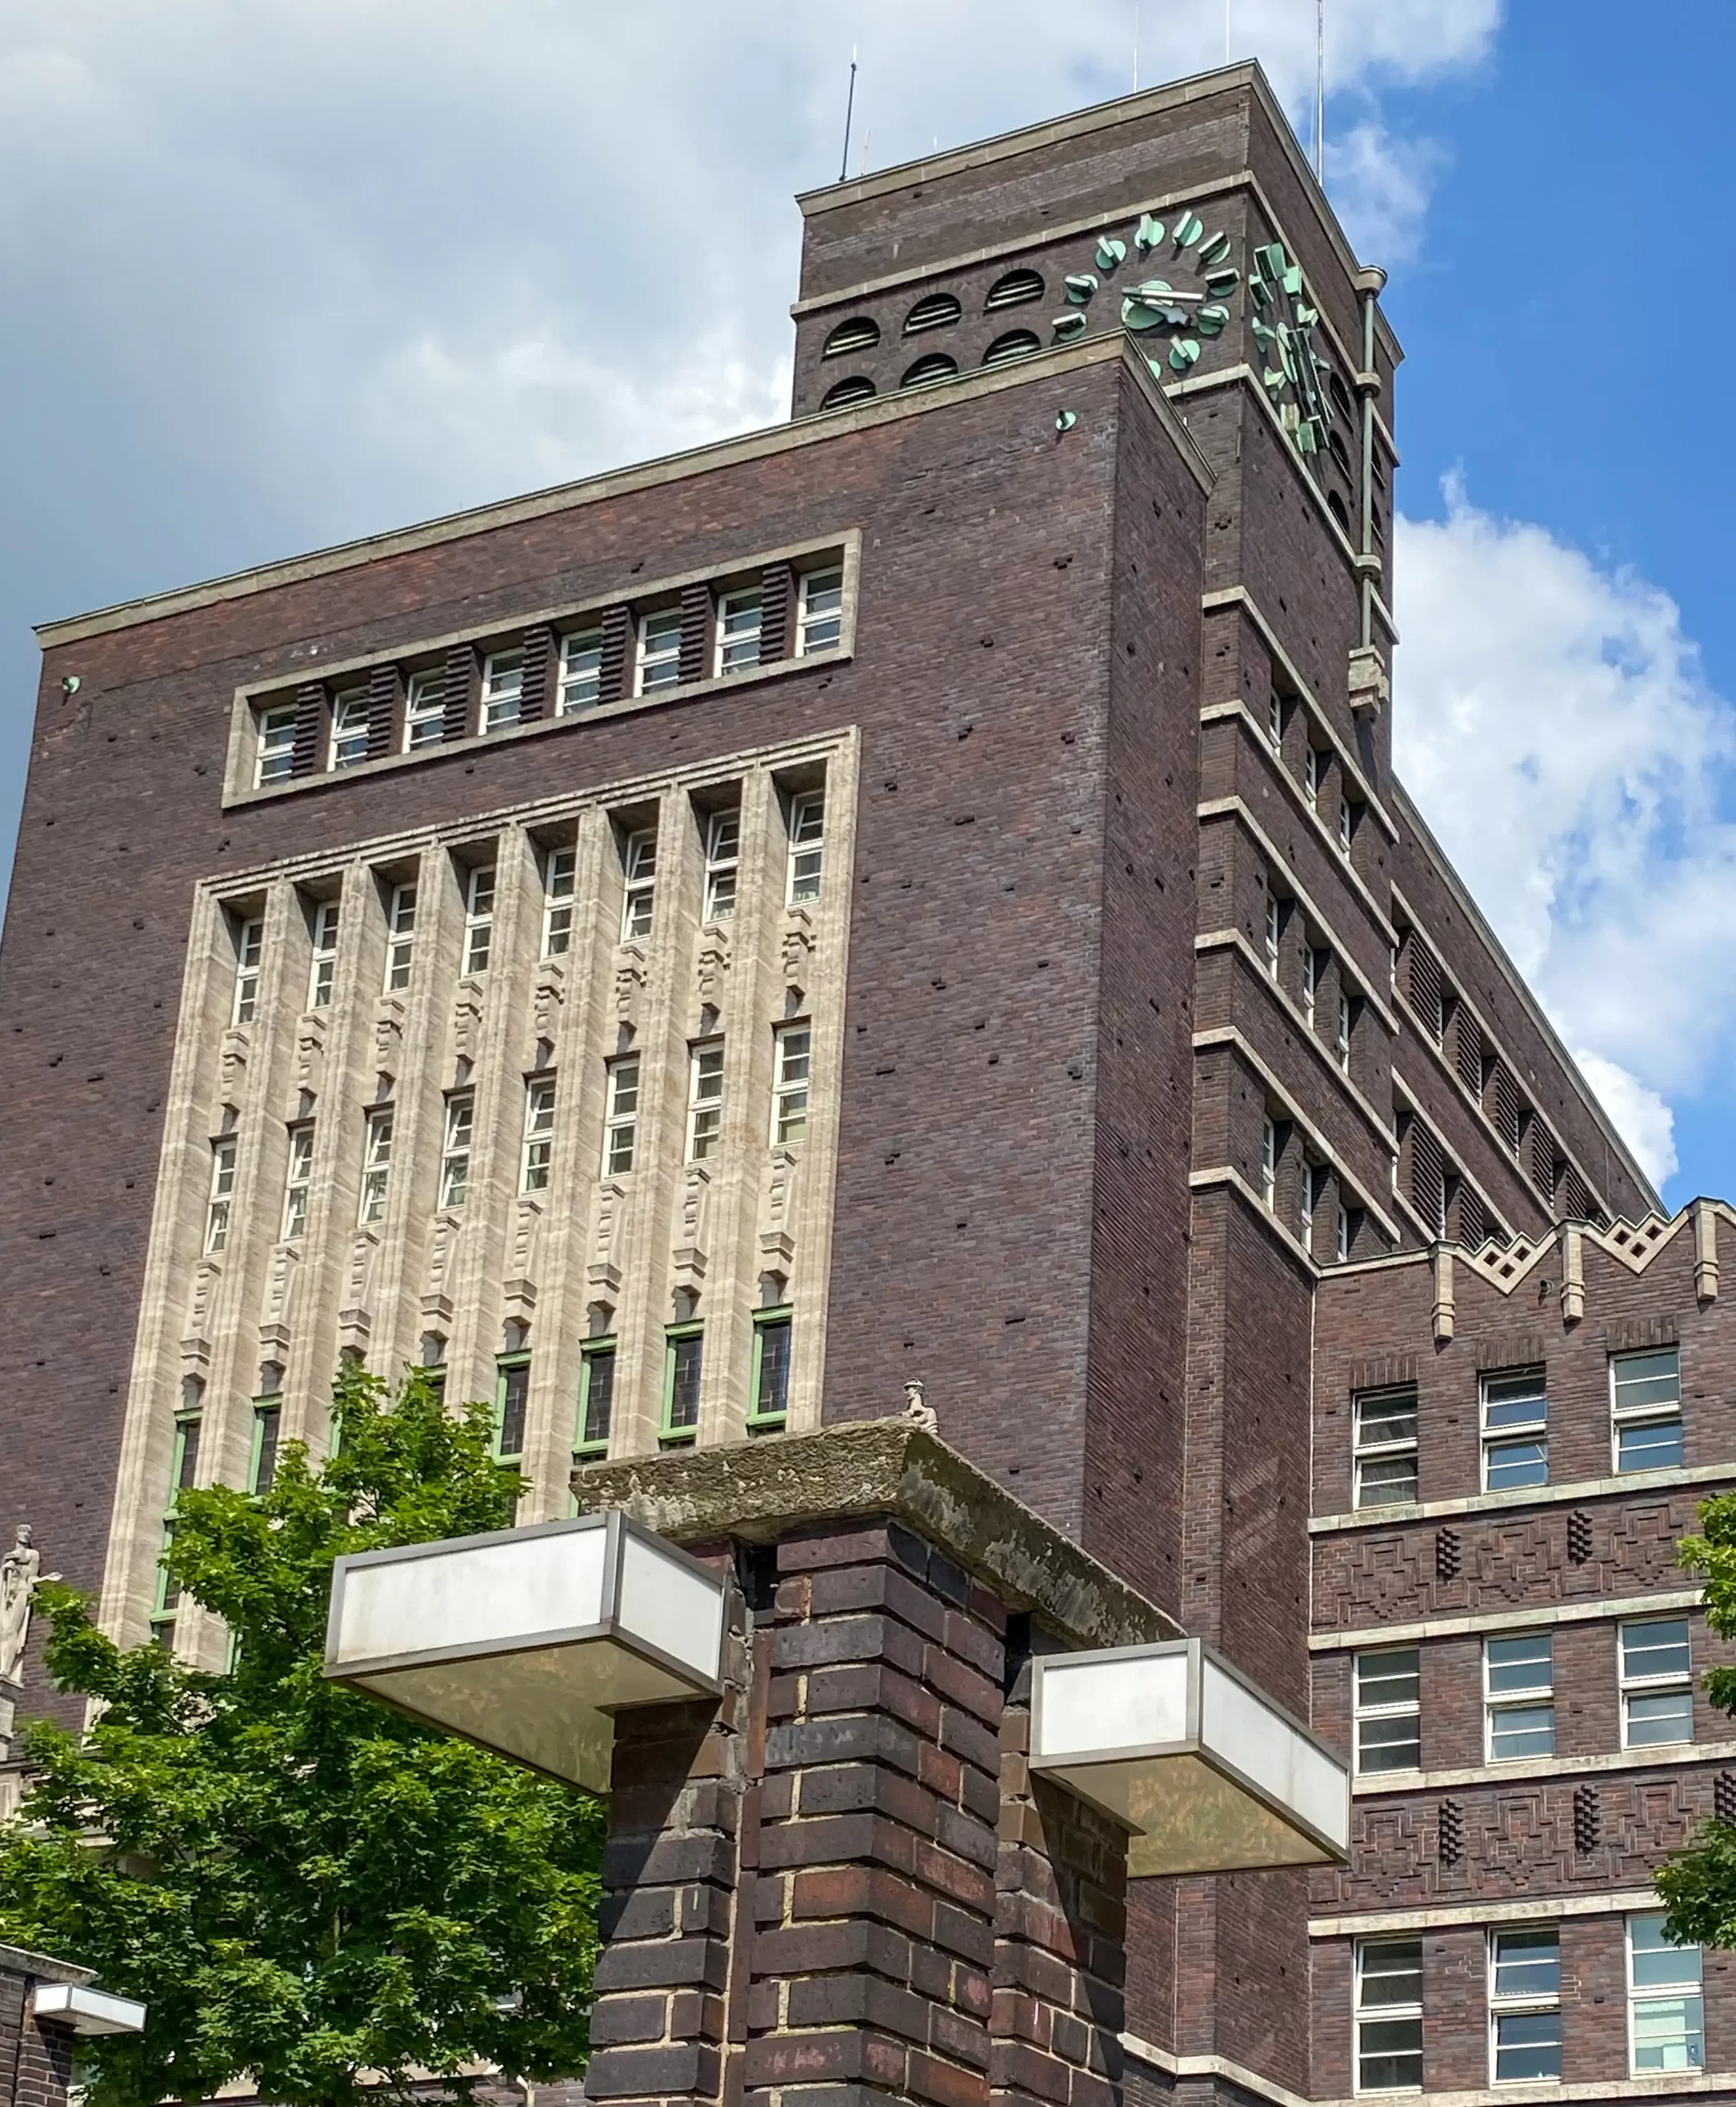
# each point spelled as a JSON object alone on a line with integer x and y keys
{"x": 1555, "y": 727}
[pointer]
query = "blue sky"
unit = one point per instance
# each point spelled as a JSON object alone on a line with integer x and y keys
{"x": 256, "y": 305}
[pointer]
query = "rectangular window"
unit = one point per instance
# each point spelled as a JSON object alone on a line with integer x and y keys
{"x": 722, "y": 863}
{"x": 1341, "y": 1038}
{"x": 275, "y": 759}
{"x": 1657, "y": 1682}
{"x": 184, "y": 1469}
{"x": 768, "y": 1395}
{"x": 1524, "y": 2007}
{"x": 1349, "y": 815}
{"x": 1313, "y": 1184}
{"x": 1384, "y": 1438}
{"x": 262, "y": 1469}
{"x": 478, "y": 918}
{"x": 400, "y": 936}
{"x": 1268, "y": 1160}
{"x": 596, "y": 1397}
{"x": 511, "y": 1398}
{"x": 739, "y": 630}
{"x": 1646, "y": 1408}
{"x": 222, "y": 1194}
{"x": 705, "y": 1100}
{"x": 376, "y": 1163}
{"x": 250, "y": 950}
{"x": 539, "y": 1133}
{"x": 1666, "y": 2019}
{"x": 503, "y": 689}
{"x": 581, "y": 684}
{"x": 620, "y": 1117}
{"x": 683, "y": 1355}
{"x": 322, "y": 974}
{"x": 1341, "y": 1239}
{"x": 819, "y": 611}
{"x": 792, "y": 1059}
{"x": 1389, "y": 2014}
{"x": 1312, "y": 961}
{"x": 659, "y": 651}
{"x": 806, "y": 846}
{"x": 351, "y": 721}
{"x": 639, "y": 860}
{"x": 455, "y": 1152}
{"x": 296, "y": 1185}
{"x": 1519, "y": 1697}
{"x": 558, "y": 869}
{"x": 1516, "y": 1437}
{"x": 1389, "y": 1709}
{"x": 1275, "y": 717}
{"x": 1274, "y": 931}
{"x": 1314, "y": 774}
{"x": 425, "y": 711}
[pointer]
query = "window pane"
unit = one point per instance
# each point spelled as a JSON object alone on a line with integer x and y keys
{"x": 1386, "y": 1481}
{"x": 1515, "y": 1400}
{"x": 1658, "y": 1648}
{"x": 1392, "y": 1677}
{"x": 1385, "y": 1417}
{"x": 1512, "y": 1463}
{"x": 581, "y": 671}
{"x": 1392, "y": 1742}
{"x": 1665, "y": 1716}
{"x": 771, "y": 1400}
{"x": 1523, "y": 1662}
{"x": 1527, "y": 1964}
{"x": 515, "y": 1396}
{"x": 1654, "y": 1447}
{"x": 1527, "y": 2045}
{"x": 1518, "y": 1732}
{"x": 684, "y": 1372}
{"x": 1669, "y": 2034}
{"x": 1644, "y": 1379}
{"x": 1654, "y": 1960}
{"x": 1389, "y": 1972}
{"x": 600, "y": 1394}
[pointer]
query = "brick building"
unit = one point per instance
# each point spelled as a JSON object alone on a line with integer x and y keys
{"x": 921, "y": 893}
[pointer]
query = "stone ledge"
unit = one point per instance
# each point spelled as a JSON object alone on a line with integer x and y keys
{"x": 759, "y": 1490}
{"x": 41, "y": 1967}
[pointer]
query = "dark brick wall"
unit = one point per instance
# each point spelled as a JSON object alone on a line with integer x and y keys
{"x": 35, "y": 2061}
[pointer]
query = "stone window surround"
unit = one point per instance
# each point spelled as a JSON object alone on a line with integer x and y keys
{"x": 792, "y": 1239}
{"x": 239, "y": 788}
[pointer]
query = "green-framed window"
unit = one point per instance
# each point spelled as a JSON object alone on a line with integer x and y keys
{"x": 768, "y": 1394}
{"x": 183, "y": 1469}
{"x": 683, "y": 1358}
{"x": 596, "y": 1399}
{"x": 262, "y": 1465}
{"x": 511, "y": 1396}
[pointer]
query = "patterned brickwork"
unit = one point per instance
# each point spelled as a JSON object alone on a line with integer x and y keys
{"x": 35, "y": 2061}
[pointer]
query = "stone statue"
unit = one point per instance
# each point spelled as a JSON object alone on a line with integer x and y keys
{"x": 918, "y": 1411}
{"x": 21, "y": 1575}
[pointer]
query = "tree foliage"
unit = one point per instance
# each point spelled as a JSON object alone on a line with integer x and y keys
{"x": 304, "y": 1888}
{"x": 1699, "y": 1885}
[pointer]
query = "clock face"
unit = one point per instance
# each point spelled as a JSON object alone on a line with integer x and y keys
{"x": 1176, "y": 284}
{"x": 1283, "y": 329}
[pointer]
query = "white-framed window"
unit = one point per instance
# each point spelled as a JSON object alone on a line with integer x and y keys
{"x": 1657, "y": 1678}
{"x": 539, "y": 1133}
{"x": 400, "y": 936}
{"x": 274, "y": 759}
{"x": 1384, "y": 1437}
{"x": 323, "y": 972}
{"x": 1275, "y": 717}
{"x": 298, "y": 1182}
{"x": 1268, "y": 1160}
{"x": 806, "y": 846}
{"x": 1349, "y": 813}
{"x": 1666, "y": 2015}
{"x": 723, "y": 862}
{"x": 1341, "y": 1237}
{"x": 792, "y": 1064}
{"x": 249, "y": 952}
{"x": 424, "y": 710}
{"x": 222, "y": 1194}
{"x": 1389, "y": 2014}
{"x": 1525, "y": 2006}
{"x": 1313, "y": 775}
{"x": 1314, "y": 1186}
{"x": 1515, "y": 1429}
{"x": 1312, "y": 962}
{"x": 559, "y": 868}
{"x": 1341, "y": 1036}
{"x": 1274, "y": 932}
{"x": 503, "y": 689}
{"x": 739, "y": 616}
{"x": 639, "y": 861}
{"x": 376, "y": 1162}
{"x": 705, "y": 1099}
{"x": 1519, "y": 1697}
{"x": 621, "y": 1115}
{"x": 1389, "y": 1709}
{"x": 580, "y": 683}
{"x": 352, "y": 722}
{"x": 478, "y": 918}
{"x": 659, "y": 662}
{"x": 819, "y": 611}
{"x": 455, "y": 1148}
{"x": 1645, "y": 1409}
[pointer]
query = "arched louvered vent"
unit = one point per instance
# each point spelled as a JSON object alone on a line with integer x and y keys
{"x": 936, "y": 366}
{"x": 858, "y": 388}
{"x": 860, "y": 333}
{"x": 934, "y": 311}
{"x": 1016, "y": 344}
{"x": 1014, "y": 290}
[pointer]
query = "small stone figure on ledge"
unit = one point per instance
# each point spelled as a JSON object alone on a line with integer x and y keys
{"x": 918, "y": 1411}
{"x": 21, "y": 1575}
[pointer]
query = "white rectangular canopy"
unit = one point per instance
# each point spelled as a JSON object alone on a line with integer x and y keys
{"x": 526, "y": 1641}
{"x": 1209, "y": 1775}
{"x": 87, "y": 2010}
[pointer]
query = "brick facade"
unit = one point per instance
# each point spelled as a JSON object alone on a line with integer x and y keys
{"x": 36, "y": 2061}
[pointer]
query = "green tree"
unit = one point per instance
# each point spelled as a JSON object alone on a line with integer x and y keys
{"x": 303, "y": 1886}
{"x": 1699, "y": 1885}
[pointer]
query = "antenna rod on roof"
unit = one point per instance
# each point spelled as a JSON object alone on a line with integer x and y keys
{"x": 849, "y": 111}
